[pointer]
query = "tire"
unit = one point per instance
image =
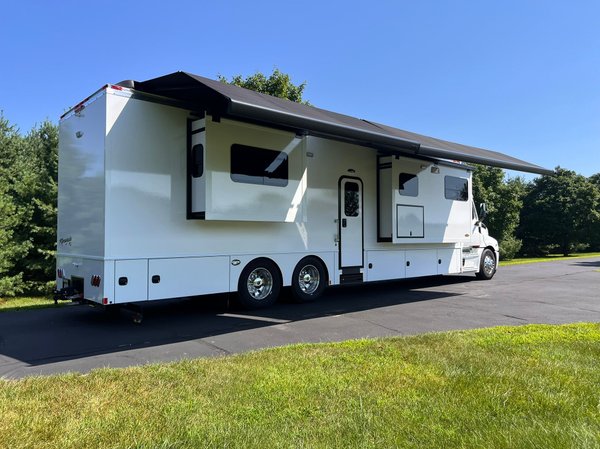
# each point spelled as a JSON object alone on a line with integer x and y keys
{"x": 309, "y": 279}
{"x": 487, "y": 265}
{"x": 259, "y": 284}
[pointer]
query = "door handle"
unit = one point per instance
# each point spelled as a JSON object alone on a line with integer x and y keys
{"x": 344, "y": 223}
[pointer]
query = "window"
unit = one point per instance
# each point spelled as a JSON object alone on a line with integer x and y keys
{"x": 456, "y": 188}
{"x": 197, "y": 160}
{"x": 252, "y": 165}
{"x": 408, "y": 184}
{"x": 351, "y": 199}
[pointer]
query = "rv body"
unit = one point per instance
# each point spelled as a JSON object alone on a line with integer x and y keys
{"x": 159, "y": 200}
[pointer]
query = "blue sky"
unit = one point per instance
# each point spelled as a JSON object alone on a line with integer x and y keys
{"x": 520, "y": 77}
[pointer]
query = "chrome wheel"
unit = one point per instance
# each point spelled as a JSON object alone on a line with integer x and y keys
{"x": 259, "y": 283}
{"x": 309, "y": 279}
{"x": 489, "y": 265}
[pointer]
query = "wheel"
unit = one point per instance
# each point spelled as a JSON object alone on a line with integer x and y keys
{"x": 309, "y": 279}
{"x": 487, "y": 266}
{"x": 259, "y": 284}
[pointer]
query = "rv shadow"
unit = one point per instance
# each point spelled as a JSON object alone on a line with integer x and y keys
{"x": 587, "y": 263}
{"x": 40, "y": 337}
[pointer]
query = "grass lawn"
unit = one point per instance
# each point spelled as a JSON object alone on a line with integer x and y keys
{"x": 26, "y": 303}
{"x": 549, "y": 258}
{"x": 506, "y": 387}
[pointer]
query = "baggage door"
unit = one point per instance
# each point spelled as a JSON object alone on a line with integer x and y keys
{"x": 350, "y": 222}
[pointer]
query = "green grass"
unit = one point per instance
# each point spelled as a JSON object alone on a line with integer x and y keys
{"x": 534, "y": 386}
{"x": 27, "y": 303}
{"x": 549, "y": 258}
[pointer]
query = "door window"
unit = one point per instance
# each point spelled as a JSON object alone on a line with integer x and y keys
{"x": 351, "y": 199}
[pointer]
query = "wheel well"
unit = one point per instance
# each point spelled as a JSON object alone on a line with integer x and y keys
{"x": 258, "y": 260}
{"x": 491, "y": 248}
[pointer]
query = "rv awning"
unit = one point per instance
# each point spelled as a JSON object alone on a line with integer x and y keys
{"x": 225, "y": 100}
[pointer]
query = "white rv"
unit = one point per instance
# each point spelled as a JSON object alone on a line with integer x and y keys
{"x": 184, "y": 186}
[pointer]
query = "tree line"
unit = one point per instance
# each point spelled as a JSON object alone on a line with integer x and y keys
{"x": 28, "y": 194}
{"x": 552, "y": 213}
{"x": 558, "y": 213}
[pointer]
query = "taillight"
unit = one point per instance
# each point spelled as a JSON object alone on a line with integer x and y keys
{"x": 60, "y": 273}
{"x": 95, "y": 281}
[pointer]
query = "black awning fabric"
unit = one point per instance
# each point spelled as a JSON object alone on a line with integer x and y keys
{"x": 226, "y": 100}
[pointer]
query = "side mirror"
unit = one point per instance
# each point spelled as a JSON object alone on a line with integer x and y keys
{"x": 482, "y": 211}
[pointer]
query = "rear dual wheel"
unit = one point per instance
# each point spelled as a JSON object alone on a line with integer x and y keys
{"x": 260, "y": 282}
{"x": 309, "y": 279}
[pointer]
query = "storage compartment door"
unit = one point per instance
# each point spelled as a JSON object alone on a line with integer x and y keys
{"x": 131, "y": 280}
{"x": 449, "y": 261}
{"x": 410, "y": 221}
{"x": 188, "y": 276}
{"x": 421, "y": 263}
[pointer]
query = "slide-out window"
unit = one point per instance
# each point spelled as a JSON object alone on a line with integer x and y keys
{"x": 456, "y": 188}
{"x": 252, "y": 165}
{"x": 408, "y": 184}
{"x": 197, "y": 160}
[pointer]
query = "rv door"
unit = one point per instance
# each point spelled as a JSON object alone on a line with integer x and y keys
{"x": 350, "y": 222}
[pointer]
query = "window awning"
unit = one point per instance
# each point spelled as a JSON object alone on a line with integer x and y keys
{"x": 226, "y": 100}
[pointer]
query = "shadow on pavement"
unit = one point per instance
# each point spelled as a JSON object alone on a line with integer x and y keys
{"x": 44, "y": 336}
{"x": 587, "y": 263}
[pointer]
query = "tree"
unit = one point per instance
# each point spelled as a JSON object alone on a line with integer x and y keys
{"x": 42, "y": 148}
{"x": 559, "y": 211}
{"x": 13, "y": 245}
{"x": 278, "y": 84}
{"x": 504, "y": 199}
{"x": 28, "y": 192}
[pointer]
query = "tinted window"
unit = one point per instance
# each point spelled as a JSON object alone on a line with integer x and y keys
{"x": 254, "y": 165}
{"x": 408, "y": 184}
{"x": 456, "y": 188}
{"x": 351, "y": 199}
{"x": 197, "y": 160}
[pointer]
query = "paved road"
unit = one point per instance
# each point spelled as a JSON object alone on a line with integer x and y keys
{"x": 81, "y": 338}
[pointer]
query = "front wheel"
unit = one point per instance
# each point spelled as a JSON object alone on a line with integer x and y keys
{"x": 309, "y": 279}
{"x": 259, "y": 284}
{"x": 487, "y": 265}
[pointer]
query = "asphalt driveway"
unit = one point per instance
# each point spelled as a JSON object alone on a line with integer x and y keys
{"x": 81, "y": 338}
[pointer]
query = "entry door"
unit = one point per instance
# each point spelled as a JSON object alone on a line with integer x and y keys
{"x": 351, "y": 222}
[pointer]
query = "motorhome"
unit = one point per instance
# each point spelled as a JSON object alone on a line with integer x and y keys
{"x": 186, "y": 186}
